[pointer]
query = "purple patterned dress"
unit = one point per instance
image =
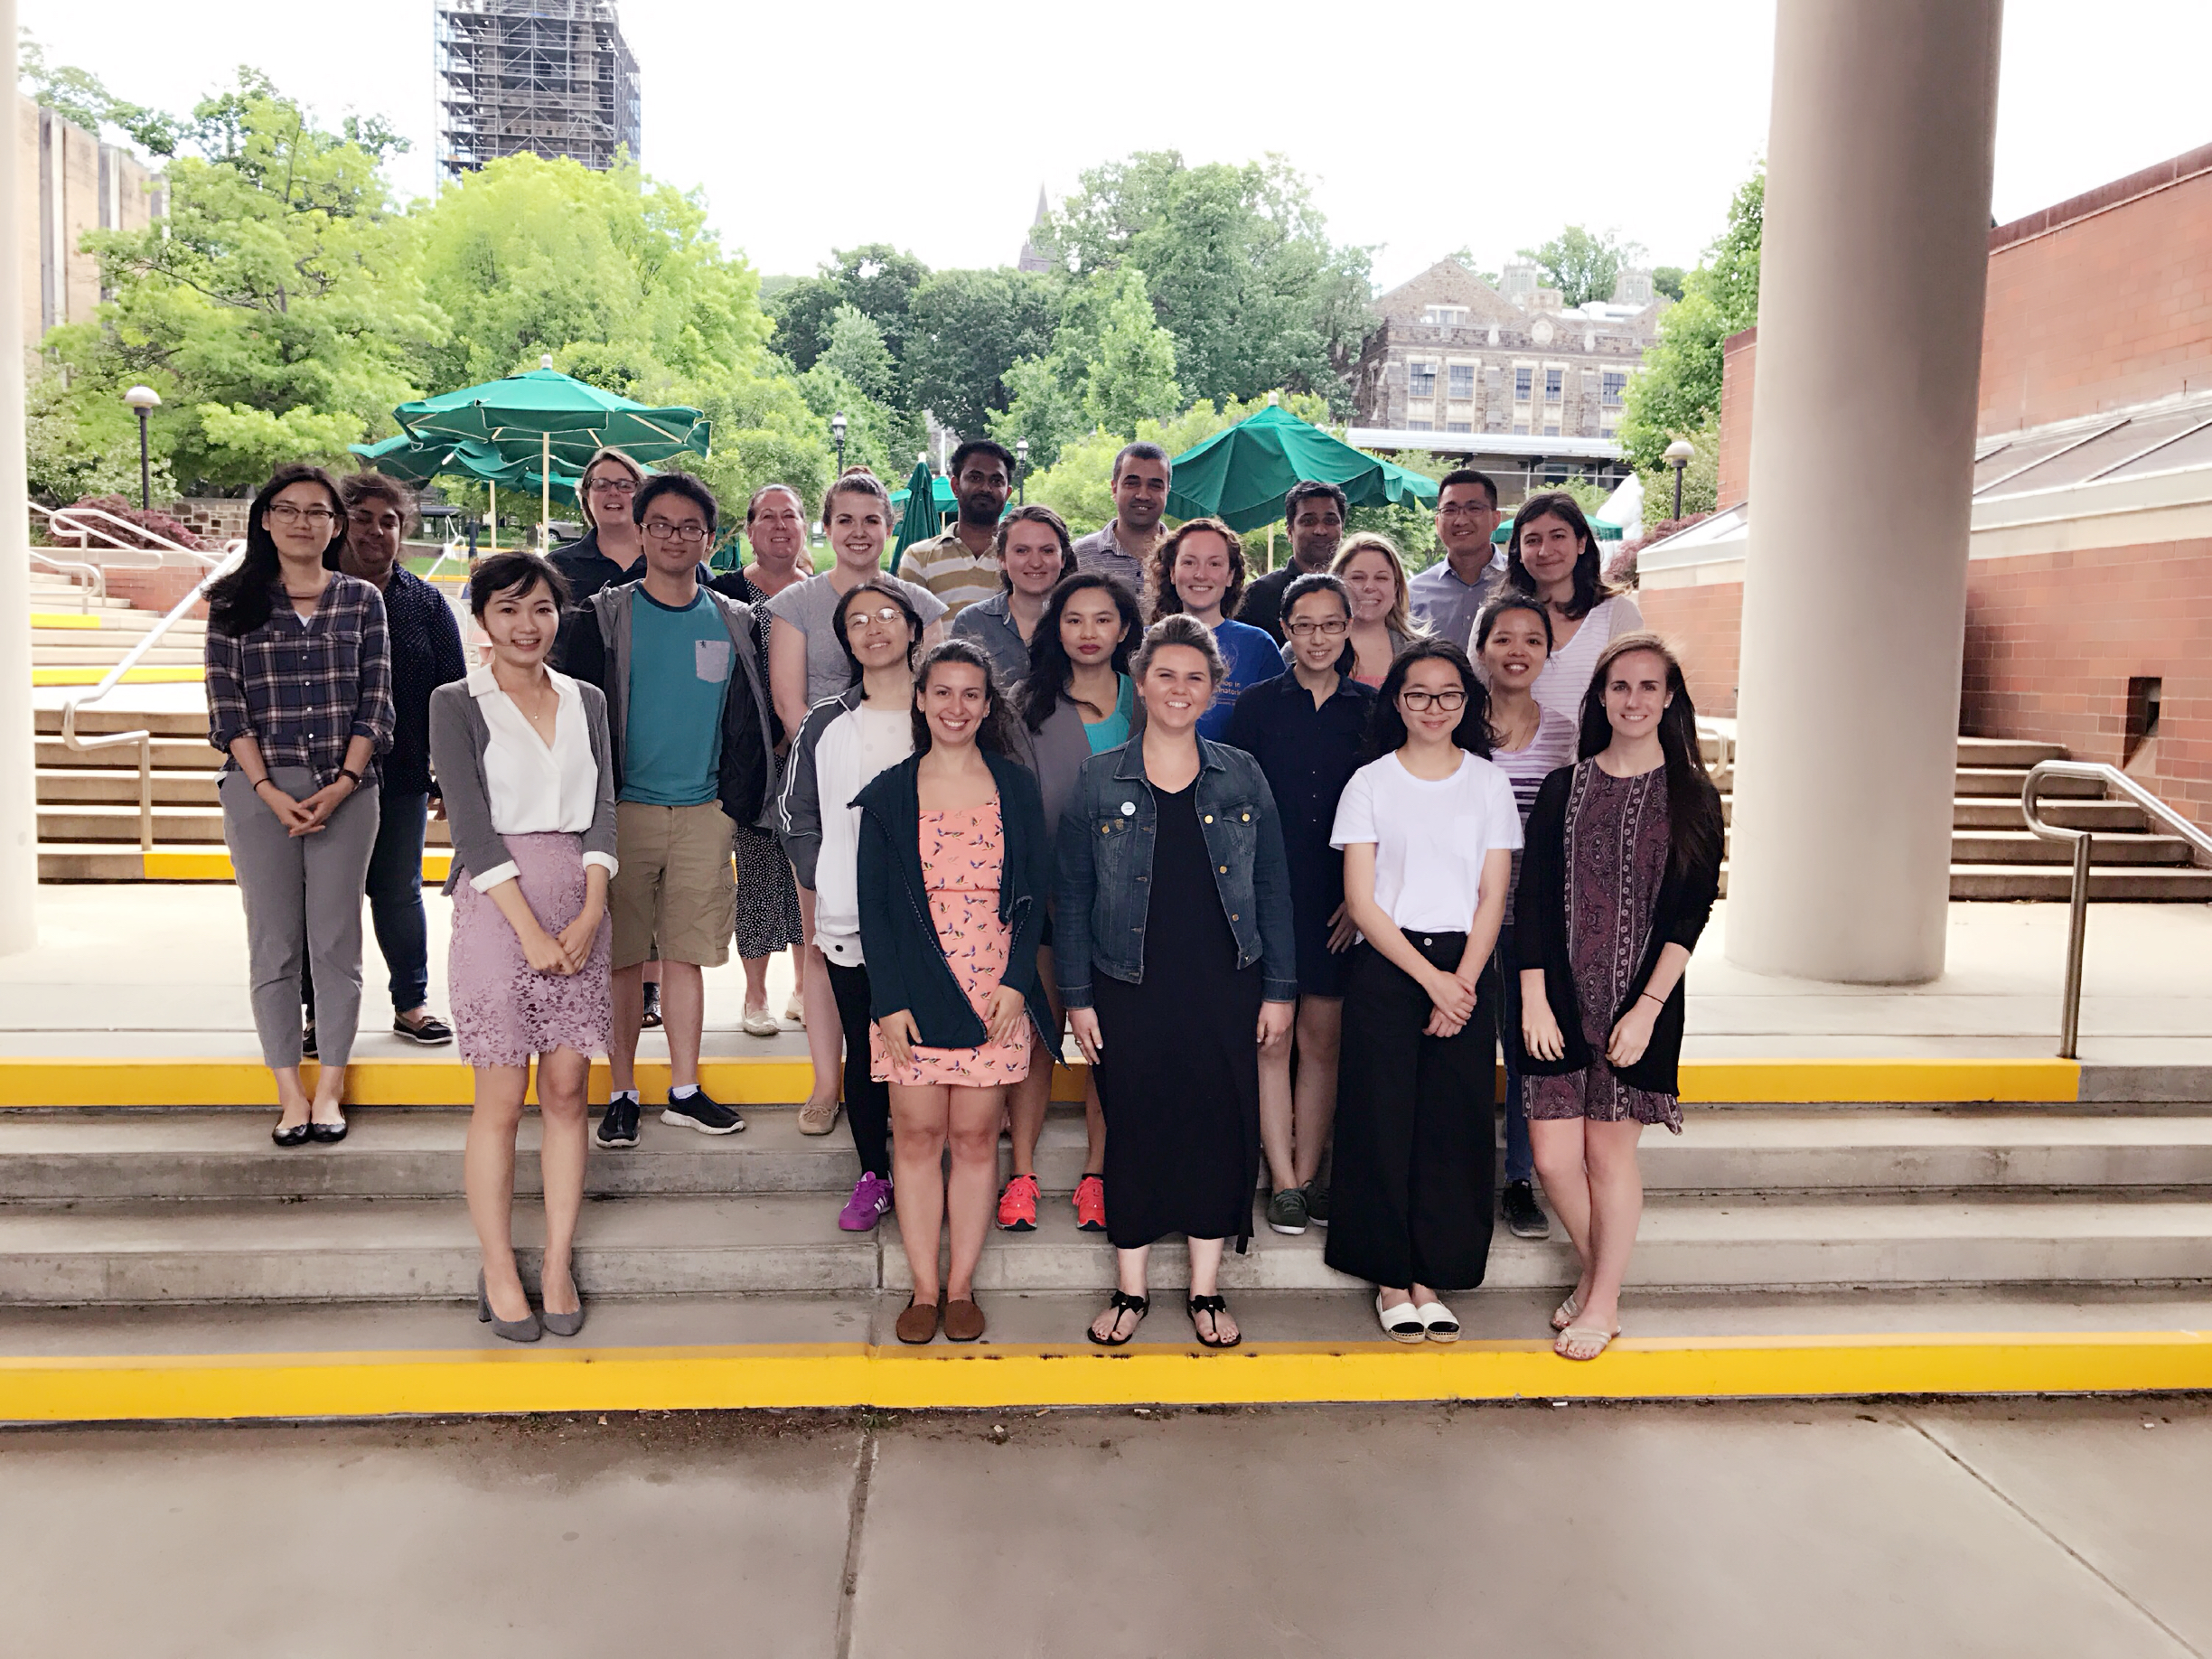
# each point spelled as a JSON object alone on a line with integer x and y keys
{"x": 1615, "y": 856}
{"x": 503, "y": 1009}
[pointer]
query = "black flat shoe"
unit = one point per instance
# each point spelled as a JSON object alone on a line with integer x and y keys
{"x": 327, "y": 1134}
{"x": 296, "y": 1136}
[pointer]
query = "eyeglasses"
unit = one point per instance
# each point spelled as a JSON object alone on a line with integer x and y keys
{"x": 1328, "y": 630}
{"x": 890, "y": 613}
{"x": 613, "y": 486}
{"x": 321, "y": 517}
{"x": 1460, "y": 510}
{"x": 660, "y": 530}
{"x": 1422, "y": 702}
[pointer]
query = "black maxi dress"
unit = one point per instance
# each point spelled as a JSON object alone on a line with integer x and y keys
{"x": 1178, "y": 1074}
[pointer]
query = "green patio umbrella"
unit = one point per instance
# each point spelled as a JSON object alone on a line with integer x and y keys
{"x": 1242, "y": 474}
{"x": 941, "y": 496}
{"x": 924, "y": 517}
{"x": 419, "y": 460}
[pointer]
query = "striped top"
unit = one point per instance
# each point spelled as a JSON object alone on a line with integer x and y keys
{"x": 1553, "y": 747}
{"x": 944, "y": 565}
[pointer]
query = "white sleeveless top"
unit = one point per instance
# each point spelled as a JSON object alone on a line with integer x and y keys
{"x": 1567, "y": 676}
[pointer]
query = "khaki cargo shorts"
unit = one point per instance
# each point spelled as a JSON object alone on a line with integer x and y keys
{"x": 676, "y": 885}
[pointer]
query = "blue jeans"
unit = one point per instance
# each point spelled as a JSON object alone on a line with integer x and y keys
{"x": 396, "y": 902}
{"x": 1520, "y": 1161}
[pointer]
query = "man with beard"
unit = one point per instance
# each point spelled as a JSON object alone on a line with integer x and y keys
{"x": 1124, "y": 547}
{"x": 1313, "y": 513}
{"x": 961, "y": 566}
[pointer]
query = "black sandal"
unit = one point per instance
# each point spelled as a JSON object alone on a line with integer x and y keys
{"x": 1214, "y": 1306}
{"x": 1122, "y": 1303}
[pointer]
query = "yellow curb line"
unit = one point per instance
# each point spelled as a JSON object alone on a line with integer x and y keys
{"x": 73, "y": 620}
{"x": 239, "y": 1081}
{"x": 136, "y": 676}
{"x": 113, "y": 1388}
{"x": 214, "y": 865}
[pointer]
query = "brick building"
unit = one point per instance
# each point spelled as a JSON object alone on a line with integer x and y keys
{"x": 2089, "y": 579}
{"x": 1521, "y": 383}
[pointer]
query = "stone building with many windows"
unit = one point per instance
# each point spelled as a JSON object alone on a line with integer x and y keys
{"x": 1503, "y": 370}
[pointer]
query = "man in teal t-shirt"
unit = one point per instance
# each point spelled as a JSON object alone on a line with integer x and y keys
{"x": 680, "y": 662}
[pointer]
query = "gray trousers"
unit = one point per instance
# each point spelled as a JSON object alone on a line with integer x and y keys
{"x": 302, "y": 898}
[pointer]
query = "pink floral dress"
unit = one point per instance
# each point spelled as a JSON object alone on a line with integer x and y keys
{"x": 962, "y": 854}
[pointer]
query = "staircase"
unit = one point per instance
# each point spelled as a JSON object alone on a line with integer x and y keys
{"x": 75, "y": 637}
{"x": 193, "y": 1206}
{"x": 1995, "y": 856}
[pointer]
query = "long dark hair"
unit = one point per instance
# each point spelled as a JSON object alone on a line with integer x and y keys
{"x": 1166, "y": 600}
{"x": 1050, "y": 670}
{"x": 897, "y": 595}
{"x": 1589, "y": 584}
{"x": 241, "y": 602}
{"x": 1386, "y": 727}
{"x": 1323, "y": 582}
{"x": 1693, "y": 803}
{"x": 991, "y": 735}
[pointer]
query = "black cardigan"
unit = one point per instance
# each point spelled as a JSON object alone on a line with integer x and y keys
{"x": 906, "y": 965}
{"x": 1540, "y": 938}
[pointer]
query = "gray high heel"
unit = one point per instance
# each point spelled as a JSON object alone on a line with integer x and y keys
{"x": 513, "y": 1330}
{"x": 565, "y": 1323}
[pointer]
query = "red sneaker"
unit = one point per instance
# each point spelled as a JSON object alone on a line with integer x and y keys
{"x": 1090, "y": 1204}
{"x": 1017, "y": 1204}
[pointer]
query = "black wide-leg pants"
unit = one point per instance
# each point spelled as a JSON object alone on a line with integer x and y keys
{"x": 1410, "y": 1198}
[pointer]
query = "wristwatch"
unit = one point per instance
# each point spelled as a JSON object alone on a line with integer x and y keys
{"x": 344, "y": 772}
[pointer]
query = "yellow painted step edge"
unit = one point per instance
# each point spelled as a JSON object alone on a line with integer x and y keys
{"x": 136, "y": 676}
{"x": 117, "y": 1388}
{"x": 214, "y": 865}
{"x": 64, "y": 619}
{"x": 192, "y": 1080}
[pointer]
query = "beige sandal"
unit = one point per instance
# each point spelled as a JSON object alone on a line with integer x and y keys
{"x": 1575, "y": 1334}
{"x": 1565, "y": 1313}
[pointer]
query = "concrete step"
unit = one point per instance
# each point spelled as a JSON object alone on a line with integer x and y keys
{"x": 121, "y": 860}
{"x": 66, "y": 1157}
{"x": 173, "y": 825}
{"x": 2007, "y": 752}
{"x": 2104, "y": 817}
{"x": 2025, "y": 846}
{"x": 113, "y": 618}
{"x": 1984, "y": 781}
{"x": 341, "y": 1250}
{"x": 193, "y": 755}
{"x": 2053, "y": 882}
{"x": 107, "y": 655}
{"x": 178, "y": 723}
{"x": 91, "y": 786}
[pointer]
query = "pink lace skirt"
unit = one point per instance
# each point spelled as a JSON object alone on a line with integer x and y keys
{"x": 504, "y": 1010}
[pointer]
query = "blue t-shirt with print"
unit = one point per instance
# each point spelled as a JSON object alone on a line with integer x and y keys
{"x": 1251, "y": 657}
{"x": 680, "y": 663}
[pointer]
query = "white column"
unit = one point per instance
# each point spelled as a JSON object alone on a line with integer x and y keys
{"x": 1874, "y": 262}
{"x": 18, "y": 800}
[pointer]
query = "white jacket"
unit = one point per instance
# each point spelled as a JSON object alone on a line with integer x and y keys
{"x": 821, "y": 826}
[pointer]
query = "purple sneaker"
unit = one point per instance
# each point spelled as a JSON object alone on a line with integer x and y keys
{"x": 869, "y": 1202}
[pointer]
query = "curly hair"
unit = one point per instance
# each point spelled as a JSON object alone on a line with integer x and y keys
{"x": 1161, "y": 590}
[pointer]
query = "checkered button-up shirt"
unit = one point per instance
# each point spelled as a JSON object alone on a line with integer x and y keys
{"x": 303, "y": 688}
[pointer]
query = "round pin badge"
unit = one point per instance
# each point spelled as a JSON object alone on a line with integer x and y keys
{"x": 1128, "y": 806}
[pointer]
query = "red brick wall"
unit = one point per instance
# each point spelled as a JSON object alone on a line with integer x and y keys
{"x": 153, "y": 588}
{"x": 2053, "y": 638}
{"x": 1705, "y": 627}
{"x": 1737, "y": 353}
{"x": 2102, "y": 301}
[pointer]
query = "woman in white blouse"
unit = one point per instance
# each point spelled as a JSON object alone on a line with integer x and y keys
{"x": 1553, "y": 554}
{"x": 522, "y": 759}
{"x": 1428, "y": 832}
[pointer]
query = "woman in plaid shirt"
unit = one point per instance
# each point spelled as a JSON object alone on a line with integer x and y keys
{"x": 299, "y": 698}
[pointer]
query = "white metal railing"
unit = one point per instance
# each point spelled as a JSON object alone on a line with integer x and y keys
{"x": 91, "y": 526}
{"x": 95, "y": 578}
{"x": 455, "y": 548}
{"x": 114, "y": 678}
{"x": 2077, "y": 919}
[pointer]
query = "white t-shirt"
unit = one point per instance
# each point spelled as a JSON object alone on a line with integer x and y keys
{"x": 1430, "y": 839}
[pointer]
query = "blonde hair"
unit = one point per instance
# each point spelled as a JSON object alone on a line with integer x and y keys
{"x": 856, "y": 481}
{"x": 1177, "y": 629}
{"x": 1399, "y": 618}
{"x": 637, "y": 477}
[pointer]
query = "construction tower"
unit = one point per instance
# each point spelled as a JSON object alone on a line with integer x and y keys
{"x": 549, "y": 77}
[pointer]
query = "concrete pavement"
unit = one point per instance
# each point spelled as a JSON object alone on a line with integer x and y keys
{"x": 2024, "y": 1528}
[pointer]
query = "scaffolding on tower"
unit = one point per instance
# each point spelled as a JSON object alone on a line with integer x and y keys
{"x": 549, "y": 78}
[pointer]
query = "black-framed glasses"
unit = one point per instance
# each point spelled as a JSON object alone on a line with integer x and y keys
{"x": 1422, "y": 702}
{"x": 660, "y": 530}
{"x": 1330, "y": 630}
{"x": 613, "y": 486}
{"x": 285, "y": 512}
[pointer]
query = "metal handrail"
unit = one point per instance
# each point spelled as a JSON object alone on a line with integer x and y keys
{"x": 2077, "y": 917}
{"x": 114, "y": 678}
{"x": 96, "y": 579}
{"x": 78, "y": 521}
{"x": 454, "y": 548}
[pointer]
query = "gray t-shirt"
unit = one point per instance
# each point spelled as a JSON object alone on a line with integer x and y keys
{"x": 810, "y": 608}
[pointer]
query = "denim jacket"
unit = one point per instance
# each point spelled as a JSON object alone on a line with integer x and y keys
{"x": 1104, "y": 889}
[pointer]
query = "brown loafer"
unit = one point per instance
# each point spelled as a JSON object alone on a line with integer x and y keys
{"x": 963, "y": 1322}
{"x": 917, "y": 1321}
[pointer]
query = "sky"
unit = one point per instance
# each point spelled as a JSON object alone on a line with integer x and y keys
{"x": 1418, "y": 138}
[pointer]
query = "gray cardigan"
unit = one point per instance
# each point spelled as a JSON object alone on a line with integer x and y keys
{"x": 458, "y": 739}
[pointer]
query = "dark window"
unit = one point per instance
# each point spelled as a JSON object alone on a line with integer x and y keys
{"x": 1459, "y": 425}
{"x": 1421, "y": 379}
{"x": 1555, "y": 383}
{"x": 1523, "y": 380}
{"x": 1609, "y": 393}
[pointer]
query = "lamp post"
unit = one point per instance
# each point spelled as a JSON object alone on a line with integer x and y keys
{"x": 1021, "y": 470}
{"x": 1679, "y": 455}
{"x": 837, "y": 436}
{"x": 145, "y": 399}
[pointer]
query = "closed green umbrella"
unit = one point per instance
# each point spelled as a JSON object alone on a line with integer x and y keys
{"x": 922, "y": 518}
{"x": 1242, "y": 474}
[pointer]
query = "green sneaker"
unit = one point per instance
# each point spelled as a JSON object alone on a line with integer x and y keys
{"x": 1287, "y": 1210}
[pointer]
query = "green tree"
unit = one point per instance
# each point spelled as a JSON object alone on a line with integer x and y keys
{"x": 1132, "y": 374}
{"x": 1583, "y": 267}
{"x": 281, "y": 283}
{"x": 857, "y": 350}
{"x": 965, "y": 330}
{"x": 1238, "y": 264}
{"x": 79, "y": 94}
{"x": 875, "y": 279}
{"x": 1668, "y": 279}
{"x": 78, "y": 441}
{"x": 1677, "y": 392}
